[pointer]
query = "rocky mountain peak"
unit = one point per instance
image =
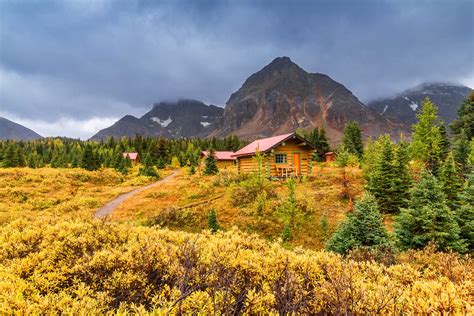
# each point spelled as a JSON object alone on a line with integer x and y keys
{"x": 282, "y": 97}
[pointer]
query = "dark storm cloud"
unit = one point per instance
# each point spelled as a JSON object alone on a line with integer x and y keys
{"x": 89, "y": 59}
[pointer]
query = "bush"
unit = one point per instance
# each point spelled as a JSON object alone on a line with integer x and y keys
{"x": 90, "y": 267}
{"x": 247, "y": 191}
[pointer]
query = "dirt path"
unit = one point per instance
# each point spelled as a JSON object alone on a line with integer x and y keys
{"x": 108, "y": 208}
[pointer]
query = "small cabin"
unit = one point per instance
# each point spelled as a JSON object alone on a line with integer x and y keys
{"x": 284, "y": 155}
{"x": 224, "y": 159}
{"x": 134, "y": 157}
{"x": 330, "y": 156}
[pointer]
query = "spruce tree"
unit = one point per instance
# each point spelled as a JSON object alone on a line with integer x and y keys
{"x": 210, "y": 167}
{"x": 381, "y": 181}
{"x": 461, "y": 148}
{"x": 450, "y": 182}
{"x": 212, "y": 222}
{"x": 427, "y": 140}
{"x": 352, "y": 139}
{"x": 148, "y": 169}
{"x": 89, "y": 160}
{"x": 402, "y": 181}
{"x": 428, "y": 218}
{"x": 464, "y": 123}
{"x": 362, "y": 228}
{"x": 465, "y": 214}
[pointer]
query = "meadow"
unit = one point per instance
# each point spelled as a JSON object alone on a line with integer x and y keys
{"x": 146, "y": 258}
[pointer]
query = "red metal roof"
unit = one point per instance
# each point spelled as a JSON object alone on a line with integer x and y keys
{"x": 132, "y": 156}
{"x": 221, "y": 155}
{"x": 263, "y": 145}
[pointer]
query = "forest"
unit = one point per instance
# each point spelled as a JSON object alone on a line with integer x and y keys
{"x": 387, "y": 228}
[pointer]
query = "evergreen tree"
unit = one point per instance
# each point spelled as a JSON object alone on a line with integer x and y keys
{"x": 362, "y": 228}
{"x": 428, "y": 218}
{"x": 465, "y": 214}
{"x": 352, "y": 139}
{"x": 290, "y": 211}
{"x": 210, "y": 167}
{"x": 450, "y": 182}
{"x": 402, "y": 180}
{"x": 427, "y": 140}
{"x": 464, "y": 123}
{"x": 461, "y": 154}
{"x": 381, "y": 180}
{"x": 148, "y": 169}
{"x": 318, "y": 138}
{"x": 212, "y": 222}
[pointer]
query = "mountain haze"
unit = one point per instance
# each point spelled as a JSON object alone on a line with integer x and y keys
{"x": 12, "y": 130}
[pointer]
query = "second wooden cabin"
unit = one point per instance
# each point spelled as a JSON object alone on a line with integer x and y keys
{"x": 224, "y": 159}
{"x": 284, "y": 155}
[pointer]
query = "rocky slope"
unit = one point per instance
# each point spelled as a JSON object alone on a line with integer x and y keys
{"x": 12, "y": 130}
{"x": 282, "y": 97}
{"x": 405, "y": 105}
{"x": 184, "y": 118}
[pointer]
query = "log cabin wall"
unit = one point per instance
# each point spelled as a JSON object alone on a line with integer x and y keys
{"x": 247, "y": 164}
{"x": 225, "y": 164}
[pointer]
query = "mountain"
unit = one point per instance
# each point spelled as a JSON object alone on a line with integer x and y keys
{"x": 405, "y": 105}
{"x": 183, "y": 118}
{"x": 12, "y": 130}
{"x": 282, "y": 97}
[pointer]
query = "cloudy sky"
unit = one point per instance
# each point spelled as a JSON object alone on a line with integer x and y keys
{"x": 72, "y": 67}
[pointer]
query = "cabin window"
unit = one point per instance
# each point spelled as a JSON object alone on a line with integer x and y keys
{"x": 280, "y": 158}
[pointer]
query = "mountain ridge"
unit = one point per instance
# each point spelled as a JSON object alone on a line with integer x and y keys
{"x": 10, "y": 130}
{"x": 406, "y": 104}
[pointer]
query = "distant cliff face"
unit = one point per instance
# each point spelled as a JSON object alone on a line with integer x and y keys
{"x": 184, "y": 118}
{"x": 282, "y": 97}
{"x": 405, "y": 106}
{"x": 12, "y": 130}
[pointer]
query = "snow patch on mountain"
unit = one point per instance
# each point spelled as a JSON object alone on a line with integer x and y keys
{"x": 413, "y": 105}
{"x": 161, "y": 122}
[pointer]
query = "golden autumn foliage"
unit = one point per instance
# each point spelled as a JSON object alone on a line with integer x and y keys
{"x": 55, "y": 258}
{"x": 95, "y": 267}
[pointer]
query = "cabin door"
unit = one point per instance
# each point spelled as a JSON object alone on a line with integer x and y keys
{"x": 297, "y": 163}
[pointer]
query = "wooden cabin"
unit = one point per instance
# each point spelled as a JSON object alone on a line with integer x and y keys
{"x": 330, "y": 156}
{"x": 134, "y": 157}
{"x": 284, "y": 155}
{"x": 224, "y": 159}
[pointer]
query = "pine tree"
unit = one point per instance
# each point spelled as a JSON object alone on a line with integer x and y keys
{"x": 461, "y": 154}
{"x": 402, "y": 181}
{"x": 450, "y": 182}
{"x": 464, "y": 123}
{"x": 465, "y": 214}
{"x": 381, "y": 181}
{"x": 427, "y": 140}
{"x": 210, "y": 167}
{"x": 148, "y": 169}
{"x": 212, "y": 222}
{"x": 362, "y": 228}
{"x": 428, "y": 218}
{"x": 352, "y": 139}
{"x": 89, "y": 160}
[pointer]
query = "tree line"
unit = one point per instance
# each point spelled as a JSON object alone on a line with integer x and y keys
{"x": 92, "y": 155}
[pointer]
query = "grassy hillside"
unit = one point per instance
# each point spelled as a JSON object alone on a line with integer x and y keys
{"x": 184, "y": 204}
{"x": 48, "y": 192}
